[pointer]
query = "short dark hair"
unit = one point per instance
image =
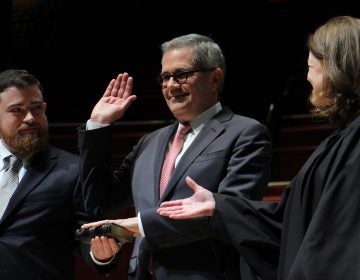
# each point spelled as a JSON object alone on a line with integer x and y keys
{"x": 18, "y": 78}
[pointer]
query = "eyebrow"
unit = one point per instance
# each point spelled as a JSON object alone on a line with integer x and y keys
{"x": 22, "y": 103}
{"x": 176, "y": 71}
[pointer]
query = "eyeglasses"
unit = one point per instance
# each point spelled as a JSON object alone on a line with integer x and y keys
{"x": 179, "y": 77}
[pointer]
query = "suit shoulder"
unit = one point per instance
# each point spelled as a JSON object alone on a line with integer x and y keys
{"x": 63, "y": 154}
{"x": 226, "y": 114}
{"x": 247, "y": 121}
{"x": 159, "y": 131}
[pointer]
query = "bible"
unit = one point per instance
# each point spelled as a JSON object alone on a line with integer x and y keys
{"x": 119, "y": 233}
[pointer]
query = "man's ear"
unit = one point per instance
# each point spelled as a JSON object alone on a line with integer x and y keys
{"x": 218, "y": 76}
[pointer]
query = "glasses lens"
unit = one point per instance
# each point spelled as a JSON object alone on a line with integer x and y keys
{"x": 181, "y": 77}
{"x": 163, "y": 78}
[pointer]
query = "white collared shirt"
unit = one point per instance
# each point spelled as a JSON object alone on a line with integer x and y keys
{"x": 197, "y": 125}
{"x": 4, "y": 152}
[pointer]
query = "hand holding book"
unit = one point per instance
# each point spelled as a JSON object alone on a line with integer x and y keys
{"x": 123, "y": 230}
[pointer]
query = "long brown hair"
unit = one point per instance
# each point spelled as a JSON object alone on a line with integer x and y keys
{"x": 337, "y": 44}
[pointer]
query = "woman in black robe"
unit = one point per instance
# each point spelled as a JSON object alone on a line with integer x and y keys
{"x": 313, "y": 232}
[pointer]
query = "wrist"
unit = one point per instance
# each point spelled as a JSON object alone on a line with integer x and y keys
{"x": 102, "y": 262}
{"x": 211, "y": 209}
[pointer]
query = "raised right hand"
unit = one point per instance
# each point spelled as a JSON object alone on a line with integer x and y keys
{"x": 115, "y": 101}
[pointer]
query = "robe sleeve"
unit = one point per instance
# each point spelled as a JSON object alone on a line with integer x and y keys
{"x": 253, "y": 227}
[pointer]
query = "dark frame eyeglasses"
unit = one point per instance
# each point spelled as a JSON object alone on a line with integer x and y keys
{"x": 179, "y": 77}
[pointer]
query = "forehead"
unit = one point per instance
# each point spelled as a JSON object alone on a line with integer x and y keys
{"x": 23, "y": 95}
{"x": 177, "y": 59}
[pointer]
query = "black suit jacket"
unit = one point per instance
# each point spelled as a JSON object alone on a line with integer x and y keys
{"x": 231, "y": 155}
{"x": 37, "y": 228}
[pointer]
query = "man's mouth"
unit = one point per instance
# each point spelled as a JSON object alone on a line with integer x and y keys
{"x": 180, "y": 95}
{"x": 29, "y": 130}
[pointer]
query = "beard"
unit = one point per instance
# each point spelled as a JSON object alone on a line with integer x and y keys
{"x": 24, "y": 145}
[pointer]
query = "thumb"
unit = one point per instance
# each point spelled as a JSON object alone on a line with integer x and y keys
{"x": 129, "y": 100}
{"x": 192, "y": 184}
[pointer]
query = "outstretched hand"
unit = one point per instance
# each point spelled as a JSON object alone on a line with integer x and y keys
{"x": 115, "y": 101}
{"x": 200, "y": 204}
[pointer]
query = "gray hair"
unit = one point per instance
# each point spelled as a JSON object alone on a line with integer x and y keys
{"x": 207, "y": 53}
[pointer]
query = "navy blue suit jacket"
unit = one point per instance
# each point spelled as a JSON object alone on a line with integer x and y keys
{"x": 37, "y": 228}
{"x": 231, "y": 155}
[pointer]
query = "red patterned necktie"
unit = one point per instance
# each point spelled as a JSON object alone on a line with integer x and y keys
{"x": 174, "y": 150}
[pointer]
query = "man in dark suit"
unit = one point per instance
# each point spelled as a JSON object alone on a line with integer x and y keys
{"x": 313, "y": 232}
{"x": 38, "y": 220}
{"x": 227, "y": 153}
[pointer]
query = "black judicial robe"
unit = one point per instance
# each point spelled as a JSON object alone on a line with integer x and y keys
{"x": 313, "y": 233}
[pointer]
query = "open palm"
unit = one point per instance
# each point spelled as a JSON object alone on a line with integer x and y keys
{"x": 115, "y": 101}
{"x": 200, "y": 204}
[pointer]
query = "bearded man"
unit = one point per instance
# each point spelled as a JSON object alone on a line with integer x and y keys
{"x": 40, "y": 207}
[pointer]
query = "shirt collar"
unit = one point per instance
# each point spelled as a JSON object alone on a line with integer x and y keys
{"x": 4, "y": 152}
{"x": 200, "y": 120}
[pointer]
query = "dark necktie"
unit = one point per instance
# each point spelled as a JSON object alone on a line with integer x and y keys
{"x": 9, "y": 181}
{"x": 174, "y": 150}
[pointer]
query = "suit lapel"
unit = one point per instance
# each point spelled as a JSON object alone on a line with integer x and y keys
{"x": 41, "y": 165}
{"x": 207, "y": 135}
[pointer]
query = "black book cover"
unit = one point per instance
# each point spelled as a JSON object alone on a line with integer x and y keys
{"x": 121, "y": 234}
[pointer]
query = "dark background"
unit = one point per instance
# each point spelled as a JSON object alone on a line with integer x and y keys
{"x": 76, "y": 47}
